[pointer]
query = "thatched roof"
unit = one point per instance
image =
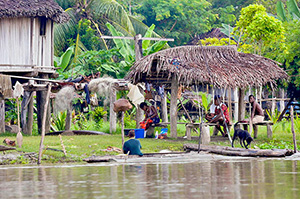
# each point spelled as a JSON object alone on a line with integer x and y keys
{"x": 222, "y": 66}
{"x": 32, "y": 8}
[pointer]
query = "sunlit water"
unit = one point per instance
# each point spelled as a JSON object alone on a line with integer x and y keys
{"x": 193, "y": 176}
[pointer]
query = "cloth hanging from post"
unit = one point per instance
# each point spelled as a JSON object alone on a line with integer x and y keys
{"x": 135, "y": 96}
{"x": 5, "y": 86}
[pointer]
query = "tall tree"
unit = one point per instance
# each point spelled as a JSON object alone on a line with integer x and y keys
{"x": 178, "y": 19}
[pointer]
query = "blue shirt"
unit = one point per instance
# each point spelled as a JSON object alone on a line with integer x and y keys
{"x": 133, "y": 146}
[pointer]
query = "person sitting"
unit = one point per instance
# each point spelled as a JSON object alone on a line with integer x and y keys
{"x": 257, "y": 114}
{"x": 218, "y": 116}
{"x": 151, "y": 115}
{"x": 133, "y": 146}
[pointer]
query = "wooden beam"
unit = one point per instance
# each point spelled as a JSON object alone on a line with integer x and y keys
{"x": 37, "y": 79}
{"x": 173, "y": 107}
{"x": 132, "y": 38}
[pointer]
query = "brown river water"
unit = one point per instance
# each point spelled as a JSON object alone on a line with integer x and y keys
{"x": 184, "y": 176}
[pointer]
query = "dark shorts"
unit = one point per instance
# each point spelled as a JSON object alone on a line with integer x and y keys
{"x": 156, "y": 120}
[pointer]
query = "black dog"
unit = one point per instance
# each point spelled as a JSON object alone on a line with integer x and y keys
{"x": 243, "y": 135}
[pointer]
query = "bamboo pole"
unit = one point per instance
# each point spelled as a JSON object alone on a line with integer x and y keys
{"x": 293, "y": 128}
{"x": 43, "y": 124}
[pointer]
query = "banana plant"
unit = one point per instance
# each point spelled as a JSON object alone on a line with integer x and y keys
{"x": 293, "y": 11}
{"x": 127, "y": 50}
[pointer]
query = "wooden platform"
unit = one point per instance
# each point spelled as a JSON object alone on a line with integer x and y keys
{"x": 223, "y": 150}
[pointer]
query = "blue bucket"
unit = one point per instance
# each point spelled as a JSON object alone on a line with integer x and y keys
{"x": 164, "y": 131}
{"x": 139, "y": 133}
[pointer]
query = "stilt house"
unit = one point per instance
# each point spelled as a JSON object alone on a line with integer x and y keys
{"x": 26, "y": 43}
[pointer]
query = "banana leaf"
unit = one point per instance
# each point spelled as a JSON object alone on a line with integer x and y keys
{"x": 280, "y": 11}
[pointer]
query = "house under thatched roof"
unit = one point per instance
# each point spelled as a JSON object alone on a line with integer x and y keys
{"x": 222, "y": 66}
{"x": 32, "y": 8}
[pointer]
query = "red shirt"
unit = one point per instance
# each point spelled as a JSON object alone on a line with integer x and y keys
{"x": 225, "y": 111}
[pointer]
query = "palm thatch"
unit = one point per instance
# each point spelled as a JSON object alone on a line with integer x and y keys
{"x": 222, "y": 66}
{"x": 32, "y": 8}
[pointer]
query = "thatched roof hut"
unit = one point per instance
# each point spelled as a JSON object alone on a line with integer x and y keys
{"x": 221, "y": 66}
{"x": 32, "y": 8}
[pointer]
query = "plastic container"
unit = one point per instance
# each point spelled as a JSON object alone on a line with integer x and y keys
{"x": 164, "y": 131}
{"x": 139, "y": 133}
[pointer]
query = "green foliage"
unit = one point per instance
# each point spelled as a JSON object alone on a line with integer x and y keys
{"x": 59, "y": 121}
{"x": 276, "y": 144}
{"x": 206, "y": 99}
{"x": 101, "y": 61}
{"x": 263, "y": 32}
{"x": 11, "y": 115}
{"x": 98, "y": 114}
{"x": 63, "y": 61}
{"x": 216, "y": 42}
{"x": 127, "y": 50}
{"x": 177, "y": 19}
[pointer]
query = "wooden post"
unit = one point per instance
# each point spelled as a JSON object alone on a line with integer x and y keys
{"x": 281, "y": 90}
{"x": 138, "y": 47}
{"x": 138, "y": 55}
{"x": 122, "y": 127}
{"x": 293, "y": 128}
{"x": 112, "y": 114}
{"x": 241, "y": 113}
{"x": 43, "y": 123}
{"x": 2, "y": 115}
{"x": 236, "y": 104}
{"x": 173, "y": 107}
{"x": 273, "y": 102}
{"x": 229, "y": 103}
{"x": 30, "y": 117}
{"x": 260, "y": 96}
{"x": 41, "y": 99}
{"x": 164, "y": 108}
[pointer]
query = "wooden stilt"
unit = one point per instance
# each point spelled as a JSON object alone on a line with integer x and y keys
{"x": 173, "y": 107}
{"x": 43, "y": 124}
{"x": 112, "y": 114}
{"x": 236, "y": 104}
{"x": 293, "y": 128}
{"x": 229, "y": 103}
{"x": 41, "y": 99}
{"x": 30, "y": 116}
{"x": 241, "y": 113}
{"x": 2, "y": 115}
{"x": 281, "y": 101}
